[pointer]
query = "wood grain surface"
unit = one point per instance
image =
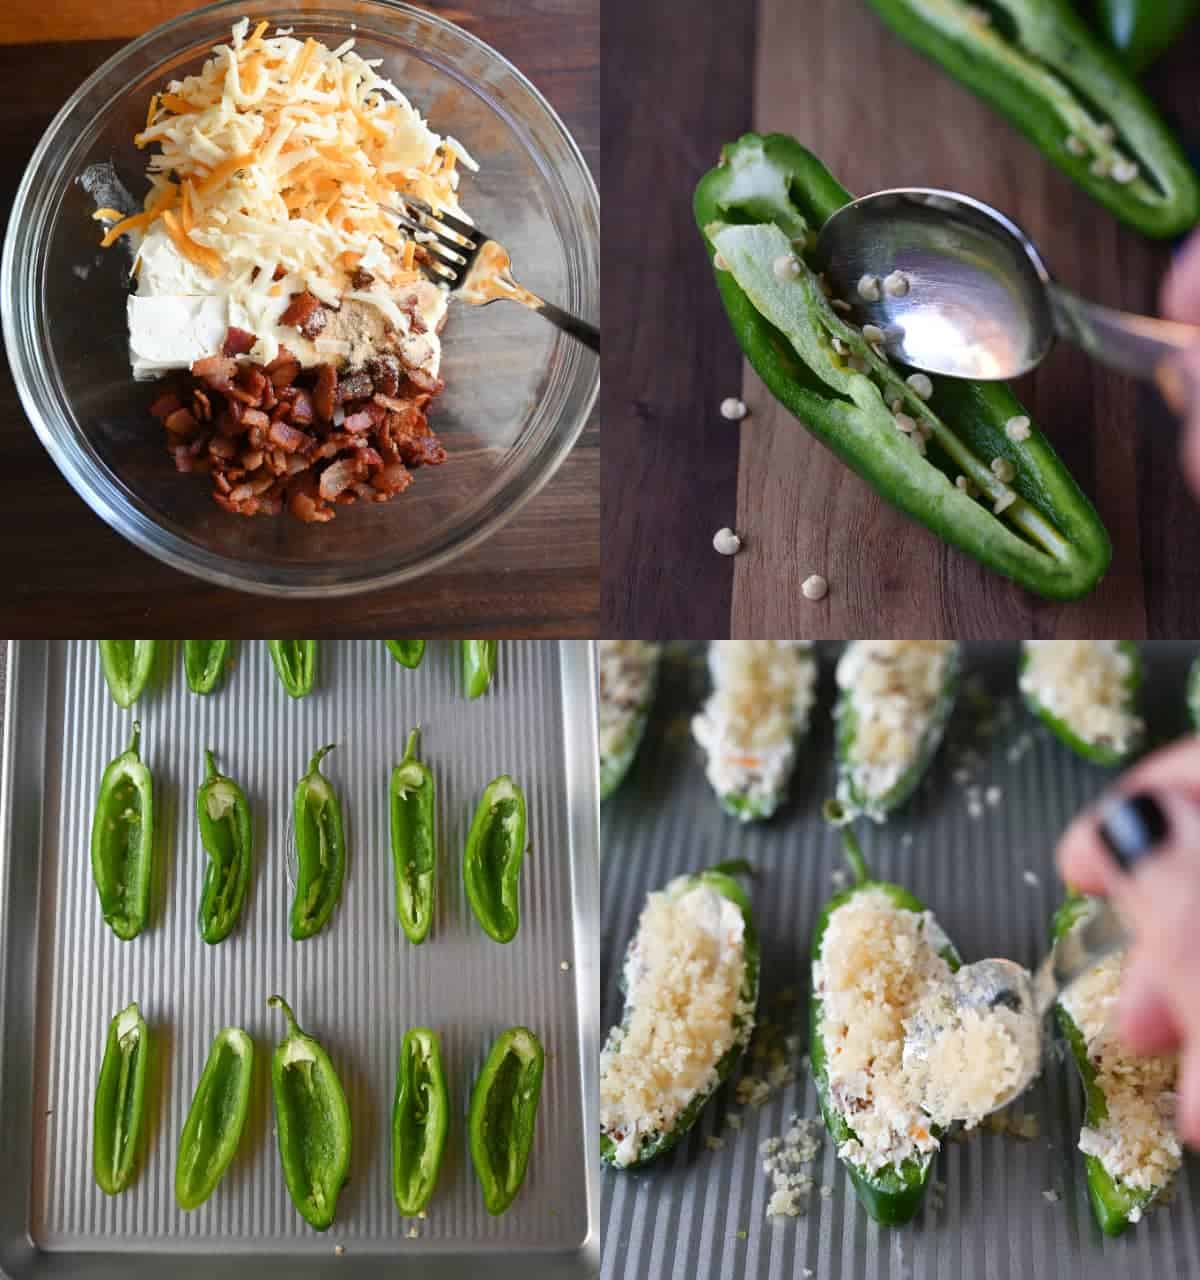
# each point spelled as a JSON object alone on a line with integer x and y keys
{"x": 879, "y": 115}
{"x": 67, "y": 573}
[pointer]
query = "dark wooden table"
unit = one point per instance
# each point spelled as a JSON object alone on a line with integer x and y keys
{"x": 67, "y": 573}
{"x": 879, "y": 115}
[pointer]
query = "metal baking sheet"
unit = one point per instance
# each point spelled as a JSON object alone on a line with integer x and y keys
{"x": 358, "y": 986}
{"x": 700, "y": 1214}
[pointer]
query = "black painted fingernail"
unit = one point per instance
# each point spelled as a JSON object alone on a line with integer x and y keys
{"x": 1133, "y": 827}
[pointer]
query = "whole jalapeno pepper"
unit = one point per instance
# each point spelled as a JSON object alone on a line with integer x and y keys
{"x": 215, "y": 1119}
{"x": 1043, "y": 69}
{"x": 892, "y": 1193}
{"x": 492, "y": 861}
{"x": 1142, "y": 29}
{"x": 320, "y": 849}
{"x": 408, "y": 653}
{"x": 312, "y": 1122}
{"x": 120, "y": 1101}
{"x": 128, "y": 666}
{"x": 504, "y": 1106}
{"x": 420, "y": 1118}
{"x": 414, "y": 847}
{"x": 479, "y": 666}
{"x": 204, "y": 663}
{"x": 228, "y": 838}
{"x": 295, "y": 664}
{"x": 122, "y": 845}
{"x": 757, "y": 206}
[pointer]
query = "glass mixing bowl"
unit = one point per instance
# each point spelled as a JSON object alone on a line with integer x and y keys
{"x": 517, "y": 391}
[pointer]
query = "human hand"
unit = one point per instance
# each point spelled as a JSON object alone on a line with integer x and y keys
{"x": 1181, "y": 301}
{"x": 1155, "y": 809}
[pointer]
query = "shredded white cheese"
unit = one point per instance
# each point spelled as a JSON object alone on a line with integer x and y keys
{"x": 626, "y": 671}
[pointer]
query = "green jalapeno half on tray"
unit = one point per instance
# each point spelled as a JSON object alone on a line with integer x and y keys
{"x": 215, "y": 1119}
{"x": 759, "y": 205}
{"x": 420, "y": 1119}
{"x": 628, "y": 678}
{"x": 320, "y": 849}
{"x": 1140, "y": 30}
{"x": 1039, "y": 65}
{"x": 891, "y": 1194}
{"x": 1116, "y": 1203}
{"x": 122, "y": 845}
{"x": 876, "y": 679}
{"x": 414, "y": 846}
{"x": 500, "y": 1122}
{"x": 227, "y": 834}
{"x": 120, "y": 1101}
{"x": 1086, "y": 693}
{"x": 204, "y": 663}
{"x": 295, "y": 663}
{"x": 127, "y": 666}
{"x": 479, "y": 666}
{"x": 408, "y": 653}
{"x": 1193, "y": 694}
{"x": 312, "y": 1122}
{"x": 648, "y": 1104}
{"x": 492, "y": 860}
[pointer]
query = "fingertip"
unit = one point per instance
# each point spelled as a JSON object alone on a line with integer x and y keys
{"x": 1179, "y": 297}
{"x": 1145, "y": 1022}
{"x": 1083, "y": 862}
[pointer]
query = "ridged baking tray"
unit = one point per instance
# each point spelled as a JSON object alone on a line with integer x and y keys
{"x": 357, "y": 986}
{"x": 682, "y": 1218}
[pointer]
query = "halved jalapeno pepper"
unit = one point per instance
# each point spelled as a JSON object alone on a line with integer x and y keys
{"x": 420, "y": 1118}
{"x": 500, "y": 1123}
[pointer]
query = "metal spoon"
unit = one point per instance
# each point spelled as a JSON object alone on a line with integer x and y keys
{"x": 979, "y": 302}
{"x": 988, "y": 984}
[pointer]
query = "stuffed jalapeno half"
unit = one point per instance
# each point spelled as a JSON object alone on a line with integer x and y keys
{"x": 962, "y": 458}
{"x": 1130, "y": 1144}
{"x": 628, "y": 676}
{"x": 1086, "y": 693}
{"x": 1038, "y": 63}
{"x": 876, "y": 950}
{"x": 690, "y": 980}
{"x": 894, "y": 699}
{"x": 762, "y": 692}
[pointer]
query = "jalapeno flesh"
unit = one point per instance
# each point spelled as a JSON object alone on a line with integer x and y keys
{"x": 503, "y": 1110}
{"x": 492, "y": 862}
{"x": 479, "y": 666}
{"x": 128, "y": 666}
{"x": 227, "y": 833}
{"x": 295, "y": 664}
{"x": 414, "y": 846}
{"x": 120, "y": 1101}
{"x": 408, "y": 653}
{"x": 420, "y": 1119}
{"x": 122, "y": 844}
{"x": 320, "y": 850}
{"x": 204, "y": 663}
{"x": 215, "y": 1119}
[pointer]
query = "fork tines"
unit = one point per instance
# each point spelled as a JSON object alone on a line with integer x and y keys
{"x": 450, "y": 244}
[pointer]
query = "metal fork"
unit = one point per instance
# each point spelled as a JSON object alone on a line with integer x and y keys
{"x": 477, "y": 268}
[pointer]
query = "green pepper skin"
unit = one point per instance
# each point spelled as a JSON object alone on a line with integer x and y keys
{"x": 120, "y": 1101}
{"x": 1064, "y": 733}
{"x": 1140, "y": 30}
{"x": 227, "y": 834}
{"x": 1043, "y": 82}
{"x": 420, "y": 1119}
{"x": 891, "y": 1195}
{"x": 764, "y": 180}
{"x": 1112, "y": 1200}
{"x": 216, "y": 1118}
{"x": 614, "y": 764}
{"x": 931, "y": 737}
{"x": 414, "y": 844}
{"x": 295, "y": 664}
{"x": 492, "y": 859}
{"x": 128, "y": 666}
{"x": 724, "y": 884}
{"x": 204, "y": 663}
{"x": 1194, "y": 694}
{"x": 122, "y": 844}
{"x": 312, "y": 1122}
{"x": 500, "y": 1122}
{"x": 320, "y": 850}
{"x": 408, "y": 653}
{"x": 479, "y": 666}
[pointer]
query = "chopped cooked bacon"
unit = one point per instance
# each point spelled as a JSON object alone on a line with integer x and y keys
{"x": 361, "y": 279}
{"x": 238, "y": 341}
{"x": 425, "y": 381}
{"x": 416, "y": 321}
{"x": 310, "y": 439}
{"x": 306, "y": 313}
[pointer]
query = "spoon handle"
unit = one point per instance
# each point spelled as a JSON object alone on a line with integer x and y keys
{"x": 1076, "y": 952}
{"x": 1141, "y": 346}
